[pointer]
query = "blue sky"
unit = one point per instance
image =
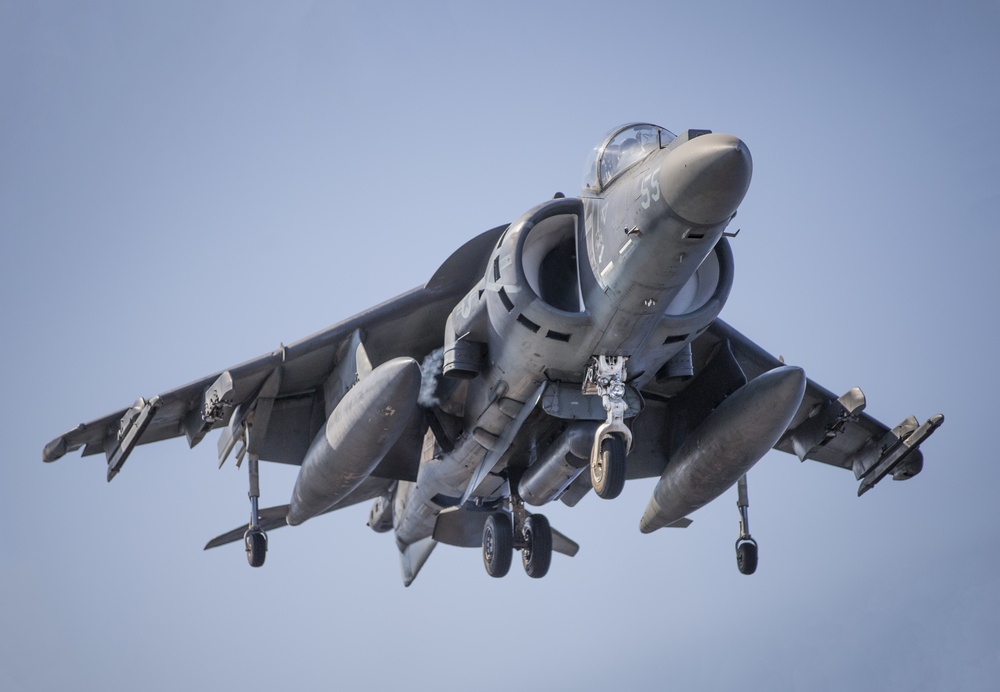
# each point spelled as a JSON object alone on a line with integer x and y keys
{"x": 186, "y": 185}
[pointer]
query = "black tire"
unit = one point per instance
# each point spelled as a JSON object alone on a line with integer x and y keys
{"x": 498, "y": 544}
{"x": 256, "y": 545}
{"x": 746, "y": 557}
{"x": 537, "y": 554}
{"x": 608, "y": 474}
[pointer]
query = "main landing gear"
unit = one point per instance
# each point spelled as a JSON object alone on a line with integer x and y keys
{"x": 504, "y": 533}
{"x": 746, "y": 546}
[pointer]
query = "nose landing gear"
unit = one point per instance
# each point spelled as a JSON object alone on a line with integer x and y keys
{"x": 607, "y": 473}
{"x": 606, "y": 377}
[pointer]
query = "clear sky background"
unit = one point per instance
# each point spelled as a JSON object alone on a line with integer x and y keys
{"x": 186, "y": 185}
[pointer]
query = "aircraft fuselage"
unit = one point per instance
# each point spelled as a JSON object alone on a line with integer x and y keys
{"x": 636, "y": 268}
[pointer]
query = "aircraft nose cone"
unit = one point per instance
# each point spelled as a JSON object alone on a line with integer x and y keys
{"x": 705, "y": 179}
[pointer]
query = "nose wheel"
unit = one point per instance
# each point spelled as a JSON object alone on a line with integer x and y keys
{"x": 607, "y": 473}
{"x": 746, "y": 546}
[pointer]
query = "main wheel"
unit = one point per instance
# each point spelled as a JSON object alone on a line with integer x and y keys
{"x": 608, "y": 474}
{"x": 746, "y": 556}
{"x": 256, "y": 545}
{"x": 498, "y": 544}
{"x": 537, "y": 554}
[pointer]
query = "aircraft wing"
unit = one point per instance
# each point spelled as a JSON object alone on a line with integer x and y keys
{"x": 289, "y": 379}
{"x": 833, "y": 429}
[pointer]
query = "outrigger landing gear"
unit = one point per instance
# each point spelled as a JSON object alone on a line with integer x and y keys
{"x": 746, "y": 546}
{"x": 504, "y": 533}
{"x": 254, "y": 539}
{"x": 236, "y": 438}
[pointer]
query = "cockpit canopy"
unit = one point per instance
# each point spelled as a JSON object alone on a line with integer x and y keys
{"x": 622, "y": 148}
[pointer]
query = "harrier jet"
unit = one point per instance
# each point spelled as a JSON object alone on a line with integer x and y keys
{"x": 572, "y": 350}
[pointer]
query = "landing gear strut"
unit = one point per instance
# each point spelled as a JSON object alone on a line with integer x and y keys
{"x": 746, "y": 546}
{"x": 606, "y": 377}
{"x": 254, "y": 539}
{"x": 504, "y": 533}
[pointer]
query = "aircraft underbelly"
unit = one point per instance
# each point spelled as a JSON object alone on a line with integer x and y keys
{"x": 445, "y": 479}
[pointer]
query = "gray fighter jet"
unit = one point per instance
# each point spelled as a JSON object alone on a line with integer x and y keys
{"x": 574, "y": 349}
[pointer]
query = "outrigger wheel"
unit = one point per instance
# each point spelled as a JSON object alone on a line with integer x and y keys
{"x": 498, "y": 544}
{"x": 746, "y": 546}
{"x": 255, "y": 541}
{"x": 607, "y": 474}
{"x": 746, "y": 555}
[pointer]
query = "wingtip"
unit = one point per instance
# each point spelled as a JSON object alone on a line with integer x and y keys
{"x": 54, "y": 450}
